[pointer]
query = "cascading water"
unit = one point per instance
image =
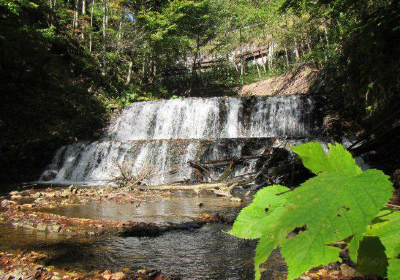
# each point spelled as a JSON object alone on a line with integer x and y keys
{"x": 215, "y": 118}
{"x": 164, "y": 136}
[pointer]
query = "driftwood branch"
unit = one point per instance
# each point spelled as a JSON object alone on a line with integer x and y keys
{"x": 199, "y": 167}
{"x": 128, "y": 177}
{"x": 228, "y": 160}
{"x": 228, "y": 170}
{"x": 197, "y": 187}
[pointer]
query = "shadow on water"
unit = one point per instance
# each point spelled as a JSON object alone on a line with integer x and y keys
{"x": 205, "y": 253}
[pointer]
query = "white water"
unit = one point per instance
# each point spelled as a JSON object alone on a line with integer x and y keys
{"x": 163, "y": 136}
{"x": 202, "y": 118}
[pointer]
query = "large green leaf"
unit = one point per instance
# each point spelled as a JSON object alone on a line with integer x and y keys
{"x": 337, "y": 204}
{"x": 386, "y": 226}
{"x": 249, "y": 222}
{"x": 372, "y": 258}
{"x": 338, "y": 159}
{"x": 332, "y": 207}
{"x": 394, "y": 268}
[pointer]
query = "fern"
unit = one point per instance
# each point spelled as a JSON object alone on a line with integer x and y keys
{"x": 336, "y": 206}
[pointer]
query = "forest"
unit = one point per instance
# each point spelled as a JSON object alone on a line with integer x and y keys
{"x": 127, "y": 126}
{"x": 83, "y": 60}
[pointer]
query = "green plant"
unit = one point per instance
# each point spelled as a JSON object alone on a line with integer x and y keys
{"x": 329, "y": 212}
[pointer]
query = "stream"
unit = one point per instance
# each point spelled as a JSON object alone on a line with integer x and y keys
{"x": 202, "y": 253}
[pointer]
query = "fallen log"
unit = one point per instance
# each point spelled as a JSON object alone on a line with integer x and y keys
{"x": 205, "y": 186}
{"x": 228, "y": 170}
{"x": 203, "y": 171}
{"x": 228, "y": 160}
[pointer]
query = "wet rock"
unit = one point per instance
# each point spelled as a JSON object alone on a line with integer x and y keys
{"x": 107, "y": 275}
{"x": 84, "y": 201}
{"x": 348, "y": 271}
{"x": 73, "y": 190}
{"x": 126, "y": 270}
{"x": 51, "y": 194}
{"x": 185, "y": 226}
{"x": 39, "y": 201}
{"x": 221, "y": 192}
{"x": 16, "y": 197}
{"x": 41, "y": 227}
{"x": 65, "y": 194}
{"x": 55, "y": 228}
{"x": 27, "y": 206}
{"x": 119, "y": 276}
{"x": 140, "y": 230}
{"x": 36, "y": 195}
{"x": 7, "y": 203}
{"x": 215, "y": 218}
{"x": 236, "y": 199}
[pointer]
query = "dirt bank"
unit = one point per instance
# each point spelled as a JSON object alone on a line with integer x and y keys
{"x": 297, "y": 81}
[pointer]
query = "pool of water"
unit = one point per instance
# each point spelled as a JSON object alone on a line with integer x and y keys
{"x": 181, "y": 207}
{"x": 204, "y": 253}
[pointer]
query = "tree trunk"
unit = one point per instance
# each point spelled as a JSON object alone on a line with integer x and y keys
{"x": 326, "y": 34}
{"x": 296, "y": 49}
{"x": 270, "y": 55}
{"x": 287, "y": 56}
{"x": 83, "y": 18}
{"x": 264, "y": 63}
{"x": 237, "y": 70}
{"x": 128, "y": 77}
{"x": 91, "y": 27}
{"x": 327, "y": 41}
{"x": 302, "y": 45}
{"x": 195, "y": 63}
{"x": 241, "y": 56}
{"x": 75, "y": 17}
{"x": 242, "y": 71}
{"x": 308, "y": 42}
{"x": 258, "y": 67}
{"x": 119, "y": 37}
{"x": 51, "y": 12}
{"x": 104, "y": 26}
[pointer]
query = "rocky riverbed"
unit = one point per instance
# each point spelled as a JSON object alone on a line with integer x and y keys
{"x": 29, "y": 265}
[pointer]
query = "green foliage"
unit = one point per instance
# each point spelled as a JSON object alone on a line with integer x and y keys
{"x": 385, "y": 227}
{"x": 310, "y": 222}
{"x": 372, "y": 259}
{"x": 252, "y": 219}
{"x": 15, "y": 6}
{"x": 48, "y": 33}
{"x": 316, "y": 160}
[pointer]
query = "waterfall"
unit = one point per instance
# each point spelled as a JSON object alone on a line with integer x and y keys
{"x": 162, "y": 137}
{"x": 202, "y": 118}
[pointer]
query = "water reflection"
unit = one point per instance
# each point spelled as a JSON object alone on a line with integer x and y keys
{"x": 171, "y": 209}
